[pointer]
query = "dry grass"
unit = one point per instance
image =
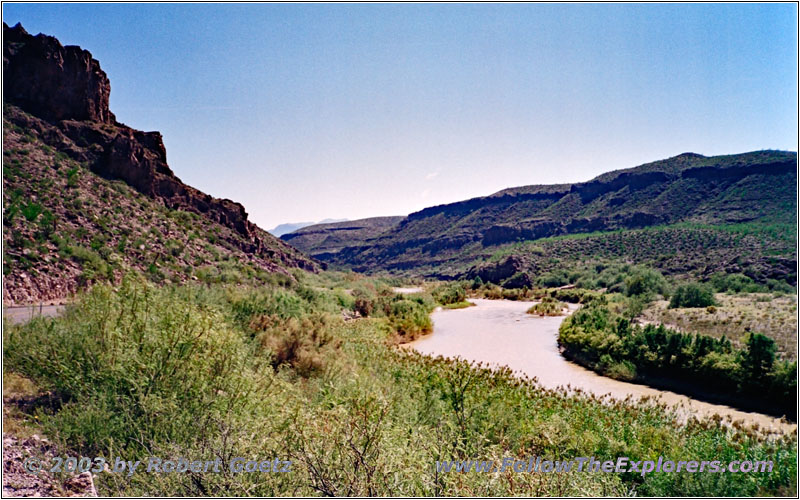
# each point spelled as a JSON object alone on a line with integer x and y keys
{"x": 15, "y": 421}
{"x": 734, "y": 317}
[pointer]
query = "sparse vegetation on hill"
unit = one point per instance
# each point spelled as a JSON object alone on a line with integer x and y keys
{"x": 87, "y": 198}
{"x": 774, "y": 315}
{"x": 66, "y": 228}
{"x": 684, "y": 215}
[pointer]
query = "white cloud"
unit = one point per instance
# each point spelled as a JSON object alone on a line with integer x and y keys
{"x": 432, "y": 175}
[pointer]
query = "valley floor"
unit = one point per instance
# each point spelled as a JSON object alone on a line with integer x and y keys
{"x": 307, "y": 371}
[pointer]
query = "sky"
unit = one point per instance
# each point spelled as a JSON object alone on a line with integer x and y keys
{"x": 308, "y": 111}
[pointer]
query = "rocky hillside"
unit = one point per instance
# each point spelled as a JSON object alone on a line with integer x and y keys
{"x": 86, "y": 198}
{"x": 324, "y": 240}
{"x": 449, "y": 240}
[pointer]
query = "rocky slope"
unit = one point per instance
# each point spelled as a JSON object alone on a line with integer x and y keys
{"x": 69, "y": 221}
{"x": 324, "y": 240}
{"x": 452, "y": 240}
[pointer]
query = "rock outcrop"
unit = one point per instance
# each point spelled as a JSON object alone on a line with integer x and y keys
{"x": 65, "y": 87}
{"x": 68, "y": 223}
{"x": 52, "y": 81}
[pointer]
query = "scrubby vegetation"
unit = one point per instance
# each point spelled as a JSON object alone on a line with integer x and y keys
{"x": 603, "y": 338}
{"x": 734, "y": 316}
{"x": 548, "y": 306}
{"x": 283, "y": 371}
{"x": 65, "y": 228}
{"x": 692, "y": 295}
{"x": 762, "y": 253}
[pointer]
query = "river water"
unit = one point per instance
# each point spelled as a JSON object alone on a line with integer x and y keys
{"x": 500, "y": 333}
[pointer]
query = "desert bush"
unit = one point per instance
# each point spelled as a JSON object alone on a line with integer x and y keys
{"x": 692, "y": 295}
{"x": 548, "y": 307}
{"x": 301, "y": 343}
{"x": 449, "y": 293}
{"x": 410, "y": 318}
{"x": 645, "y": 283}
{"x": 135, "y": 367}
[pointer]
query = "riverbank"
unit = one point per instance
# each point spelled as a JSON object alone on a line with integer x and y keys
{"x": 499, "y": 333}
{"x": 279, "y": 372}
{"x": 687, "y": 389}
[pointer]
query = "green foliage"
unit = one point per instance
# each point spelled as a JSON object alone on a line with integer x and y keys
{"x": 137, "y": 367}
{"x": 548, "y": 306}
{"x": 32, "y": 210}
{"x": 574, "y": 295}
{"x": 410, "y": 318}
{"x": 692, "y": 295}
{"x": 759, "y": 357}
{"x": 609, "y": 343}
{"x": 734, "y": 283}
{"x": 645, "y": 283}
{"x": 449, "y": 293}
{"x": 72, "y": 177}
{"x": 94, "y": 266}
{"x": 554, "y": 278}
{"x": 47, "y": 224}
{"x": 226, "y": 371}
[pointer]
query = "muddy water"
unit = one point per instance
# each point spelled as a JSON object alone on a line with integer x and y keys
{"x": 499, "y": 332}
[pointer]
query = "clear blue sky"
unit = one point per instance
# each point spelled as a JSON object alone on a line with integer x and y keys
{"x": 308, "y": 111}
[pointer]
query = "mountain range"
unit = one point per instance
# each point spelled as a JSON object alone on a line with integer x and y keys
{"x": 686, "y": 196}
{"x": 289, "y": 227}
{"x": 87, "y": 198}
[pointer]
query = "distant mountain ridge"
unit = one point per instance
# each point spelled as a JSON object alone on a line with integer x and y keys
{"x": 758, "y": 186}
{"x": 289, "y": 227}
{"x": 64, "y": 154}
{"x": 324, "y": 240}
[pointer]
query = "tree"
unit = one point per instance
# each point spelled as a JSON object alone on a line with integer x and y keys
{"x": 758, "y": 357}
{"x": 692, "y": 295}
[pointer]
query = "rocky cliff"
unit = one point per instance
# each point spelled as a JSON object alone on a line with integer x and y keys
{"x": 56, "y": 98}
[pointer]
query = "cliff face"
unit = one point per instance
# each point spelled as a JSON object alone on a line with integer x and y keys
{"x": 51, "y": 81}
{"x": 58, "y": 97}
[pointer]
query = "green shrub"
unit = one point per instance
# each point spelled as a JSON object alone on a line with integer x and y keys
{"x": 135, "y": 367}
{"x": 32, "y": 210}
{"x": 574, "y": 295}
{"x": 620, "y": 370}
{"x": 692, "y": 295}
{"x": 554, "y": 279}
{"x": 410, "y": 318}
{"x": 548, "y": 307}
{"x": 449, "y": 293}
{"x": 645, "y": 283}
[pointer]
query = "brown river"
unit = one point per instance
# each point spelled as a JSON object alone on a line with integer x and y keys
{"x": 500, "y": 333}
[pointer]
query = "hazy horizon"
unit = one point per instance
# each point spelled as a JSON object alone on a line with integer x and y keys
{"x": 303, "y": 112}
